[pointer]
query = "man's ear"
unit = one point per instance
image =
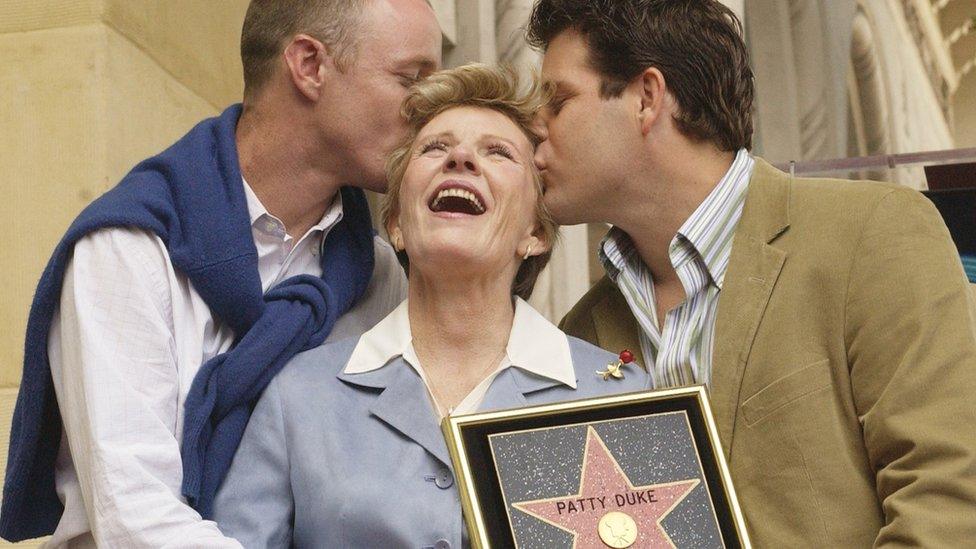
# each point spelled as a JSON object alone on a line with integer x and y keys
{"x": 308, "y": 61}
{"x": 651, "y": 88}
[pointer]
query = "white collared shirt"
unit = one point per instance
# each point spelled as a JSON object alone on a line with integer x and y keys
{"x": 680, "y": 352}
{"x": 280, "y": 256}
{"x": 534, "y": 345}
{"x": 124, "y": 348}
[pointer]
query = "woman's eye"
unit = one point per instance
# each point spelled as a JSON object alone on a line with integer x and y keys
{"x": 501, "y": 150}
{"x": 433, "y": 146}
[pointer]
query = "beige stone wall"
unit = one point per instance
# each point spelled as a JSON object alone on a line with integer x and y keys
{"x": 88, "y": 88}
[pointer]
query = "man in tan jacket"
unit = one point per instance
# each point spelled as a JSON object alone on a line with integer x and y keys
{"x": 830, "y": 320}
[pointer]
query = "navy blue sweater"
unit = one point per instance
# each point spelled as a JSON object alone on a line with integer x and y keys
{"x": 192, "y": 197}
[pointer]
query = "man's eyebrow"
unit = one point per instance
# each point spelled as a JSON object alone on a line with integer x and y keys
{"x": 422, "y": 61}
{"x": 556, "y": 87}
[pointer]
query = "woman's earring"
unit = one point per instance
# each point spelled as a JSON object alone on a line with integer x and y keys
{"x": 397, "y": 244}
{"x": 528, "y": 252}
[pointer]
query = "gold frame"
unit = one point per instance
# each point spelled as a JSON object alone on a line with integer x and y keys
{"x": 452, "y": 426}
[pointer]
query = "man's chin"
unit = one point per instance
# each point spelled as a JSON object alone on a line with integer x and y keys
{"x": 563, "y": 211}
{"x": 379, "y": 187}
{"x": 376, "y": 183}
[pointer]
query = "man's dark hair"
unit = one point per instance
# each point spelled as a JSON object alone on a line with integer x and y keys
{"x": 696, "y": 44}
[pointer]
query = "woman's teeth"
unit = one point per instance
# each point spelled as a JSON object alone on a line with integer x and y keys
{"x": 457, "y": 193}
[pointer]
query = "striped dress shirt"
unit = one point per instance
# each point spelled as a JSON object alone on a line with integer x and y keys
{"x": 681, "y": 352}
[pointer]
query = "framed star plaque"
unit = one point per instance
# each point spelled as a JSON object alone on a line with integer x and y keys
{"x": 634, "y": 470}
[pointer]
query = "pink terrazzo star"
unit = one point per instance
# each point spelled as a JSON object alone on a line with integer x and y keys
{"x": 604, "y": 487}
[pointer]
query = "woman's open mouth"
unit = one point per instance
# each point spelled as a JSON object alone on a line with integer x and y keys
{"x": 454, "y": 198}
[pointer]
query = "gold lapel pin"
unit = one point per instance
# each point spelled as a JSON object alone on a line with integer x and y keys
{"x": 613, "y": 369}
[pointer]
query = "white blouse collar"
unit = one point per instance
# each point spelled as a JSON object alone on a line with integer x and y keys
{"x": 534, "y": 345}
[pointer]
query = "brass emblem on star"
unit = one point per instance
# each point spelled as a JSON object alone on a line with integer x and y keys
{"x": 617, "y": 530}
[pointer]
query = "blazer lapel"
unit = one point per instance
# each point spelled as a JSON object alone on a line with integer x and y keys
{"x": 404, "y": 405}
{"x": 616, "y": 327}
{"x": 754, "y": 268}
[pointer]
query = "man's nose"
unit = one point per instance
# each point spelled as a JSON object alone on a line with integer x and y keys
{"x": 540, "y": 155}
{"x": 539, "y": 126}
{"x": 461, "y": 160}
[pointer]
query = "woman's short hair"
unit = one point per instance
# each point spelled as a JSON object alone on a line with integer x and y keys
{"x": 475, "y": 85}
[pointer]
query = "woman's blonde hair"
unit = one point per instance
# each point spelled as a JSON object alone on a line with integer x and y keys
{"x": 474, "y": 85}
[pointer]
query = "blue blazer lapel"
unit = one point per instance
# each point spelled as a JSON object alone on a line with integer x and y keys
{"x": 404, "y": 405}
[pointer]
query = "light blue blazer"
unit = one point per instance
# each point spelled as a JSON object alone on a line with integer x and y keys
{"x": 337, "y": 460}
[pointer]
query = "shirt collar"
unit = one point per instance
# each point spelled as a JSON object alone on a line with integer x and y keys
{"x": 534, "y": 345}
{"x": 260, "y": 217}
{"x": 388, "y": 339}
{"x": 706, "y": 234}
{"x": 710, "y": 228}
{"x": 616, "y": 252}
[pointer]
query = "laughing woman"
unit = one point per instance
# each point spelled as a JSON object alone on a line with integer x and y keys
{"x": 344, "y": 448}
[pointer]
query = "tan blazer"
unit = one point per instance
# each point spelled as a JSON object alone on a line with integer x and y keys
{"x": 844, "y": 378}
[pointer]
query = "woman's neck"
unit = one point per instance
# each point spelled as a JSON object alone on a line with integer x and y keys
{"x": 460, "y": 331}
